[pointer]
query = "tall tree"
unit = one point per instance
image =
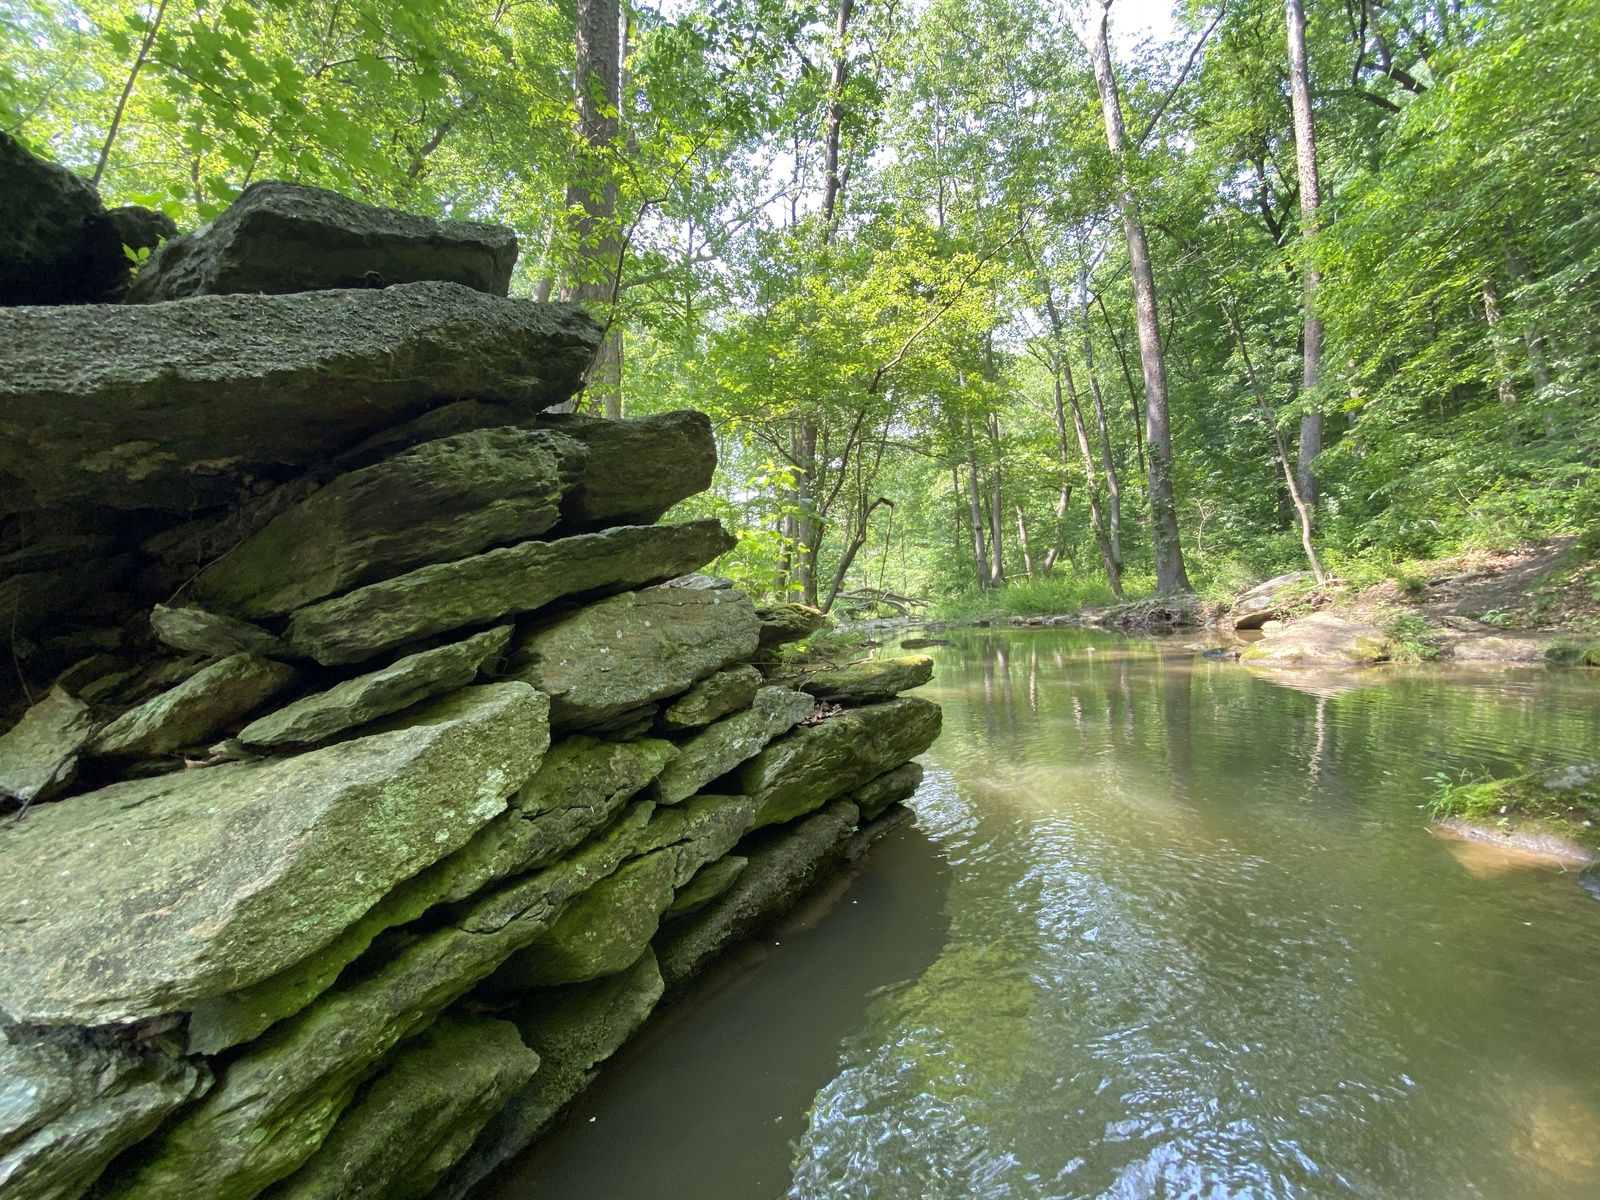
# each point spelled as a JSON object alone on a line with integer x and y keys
{"x": 592, "y": 189}
{"x": 1171, "y": 577}
{"x": 1305, "y": 154}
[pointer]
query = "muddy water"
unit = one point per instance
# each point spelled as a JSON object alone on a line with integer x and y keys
{"x": 1162, "y": 929}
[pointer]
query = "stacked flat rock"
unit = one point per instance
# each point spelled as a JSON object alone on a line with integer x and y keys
{"x": 383, "y": 760}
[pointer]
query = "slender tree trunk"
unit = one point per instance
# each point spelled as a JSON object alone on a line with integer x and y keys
{"x": 1022, "y": 543}
{"x": 997, "y": 571}
{"x": 1505, "y": 384}
{"x": 1113, "y": 486}
{"x": 592, "y": 192}
{"x": 1127, "y": 377}
{"x": 1170, "y": 574}
{"x": 127, "y": 93}
{"x": 1302, "y": 507}
{"x": 1096, "y": 518}
{"x": 808, "y": 528}
{"x": 1065, "y": 497}
{"x": 1305, "y": 153}
{"x": 980, "y": 556}
{"x": 833, "y": 181}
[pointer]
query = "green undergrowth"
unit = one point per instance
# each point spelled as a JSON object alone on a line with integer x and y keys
{"x": 1566, "y": 803}
{"x": 1411, "y": 635}
{"x": 1061, "y": 593}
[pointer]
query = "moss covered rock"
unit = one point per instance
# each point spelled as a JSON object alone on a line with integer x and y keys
{"x": 440, "y": 501}
{"x": 405, "y": 682}
{"x": 282, "y": 237}
{"x": 715, "y": 696}
{"x": 782, "y": 866}
{"x": 709, "y": 882}
{"x": 892, "y": 787}
{"x": 181, "y": 406}
{"x": 573, "y": 1029}
{"x": 489, "y": 586}
{"x": 72, "y": 1099}
{"x": 599, "y": 933}
{"x": 721, "y": 747}
{"x": 811, "y": 765}
{"x": 611, "y": 658}
{"x": 410, "y": 1124}
{"x": 1320, "y": 640}
{"x": 146, "y": 897}
{"x": 876, "y": 679}
{"x": 197, "y": 709}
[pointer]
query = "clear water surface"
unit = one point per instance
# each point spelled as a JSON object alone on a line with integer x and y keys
{"x": 1162, "y": 928}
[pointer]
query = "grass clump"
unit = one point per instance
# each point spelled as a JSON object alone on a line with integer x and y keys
{"x": 1412, "y": 637}
{"x": 1566, "y": 802}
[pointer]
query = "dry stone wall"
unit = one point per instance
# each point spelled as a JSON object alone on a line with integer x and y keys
{"x": 374, "y": 762}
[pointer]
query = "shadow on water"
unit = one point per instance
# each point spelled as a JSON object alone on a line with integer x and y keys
{"x": 707, "y": 1102}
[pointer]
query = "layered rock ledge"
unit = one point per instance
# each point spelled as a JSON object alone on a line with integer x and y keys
{"x": 377, "y": 762}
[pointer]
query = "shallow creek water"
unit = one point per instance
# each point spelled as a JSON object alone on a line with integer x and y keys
{"x": 1162, "y": 928}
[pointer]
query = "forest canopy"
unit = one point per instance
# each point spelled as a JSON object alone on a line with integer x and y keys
{"x": 891, "y": 249}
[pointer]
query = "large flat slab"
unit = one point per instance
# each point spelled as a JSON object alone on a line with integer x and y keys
{"x": 288, "y": 237}
{"x": 499, "y": 583}
{"x": 634, "y": 649}
{"x": 173, "y": 406}
{"x": 145, "y": 897}
{"x": 439, "y": 501}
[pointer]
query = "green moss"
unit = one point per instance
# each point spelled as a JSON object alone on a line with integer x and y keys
{"x": 1565, "y": 802}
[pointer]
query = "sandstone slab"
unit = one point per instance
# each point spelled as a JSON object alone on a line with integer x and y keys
{"x": 439, "y": 501}
{"x": 1267, "y": 601}
{"x": 782, "y": 623}
{"x": 892, "y": 787}
{"x": 417, "y": 1118}
{"x": 176, "y": 406}
{"x": 72, "y": 1099}
{"x": 572, "y": 1029}
{"x": 721, "y": 747}
{"x": 286, "y": 237}
{"x": 498, "y": 583}
{"x": 199, "y": 632}
{"x": 876, "y": 679}
{"x": 39, "y": 755}
{"x": 197, "y": 709}
{"x": 715, "y": 696}
{"x": 146, "y": 897}
{"x": 579, "y": 787}
{"x": 813, "y": 764}
{"x": 1320, "y": 640}
{"x": 637, "y": 469}
{"x": 615, "y": 656}
{"x": 600, "y": 933}
{"x": 698, "y": 831}
{"x": 712, "y": 880}
{"x": 781, "y": 869}
{"x": 276, "y": 1103}
{"x": 357, "y": 701}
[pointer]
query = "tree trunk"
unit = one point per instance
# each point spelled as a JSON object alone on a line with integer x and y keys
{"x": 1505, "y": 383}
{"x": 127, "y": 92}
{"x": 1113, "y": 486}
{"x": 1305, "y": 154}
{"x": 591, "y": 191}
{"x": 980, "y": 555}
{"x": 808, "y": 529}
{"x": 833, "y": 181}
{"x": 1170, "y": 574}
{"x": 1113, "y": 567}
{"x": 1022, "y": 544}
{"x": 997, "y": 571}
{"x": 1054, "y": 553}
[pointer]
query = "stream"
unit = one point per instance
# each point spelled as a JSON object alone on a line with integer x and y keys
{"x": 1161, "y": 928}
